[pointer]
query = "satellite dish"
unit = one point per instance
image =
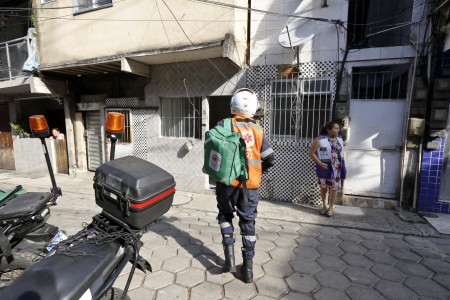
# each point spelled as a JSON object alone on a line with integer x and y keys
{"x": 297, "y": 32}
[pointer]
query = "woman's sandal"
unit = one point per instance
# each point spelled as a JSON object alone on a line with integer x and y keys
{"x": 328, "y": 214}
{"x": 323, "y": 212}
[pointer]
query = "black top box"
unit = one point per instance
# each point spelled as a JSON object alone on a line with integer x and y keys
{"x": 133, "y": 190}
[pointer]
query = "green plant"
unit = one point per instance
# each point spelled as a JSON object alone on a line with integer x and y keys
{"x": 18, "y": 128}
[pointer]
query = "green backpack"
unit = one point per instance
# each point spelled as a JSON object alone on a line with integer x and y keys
{"x": 225, "y": 154}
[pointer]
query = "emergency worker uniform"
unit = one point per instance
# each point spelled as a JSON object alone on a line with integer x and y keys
{"x": 230, "y": 198}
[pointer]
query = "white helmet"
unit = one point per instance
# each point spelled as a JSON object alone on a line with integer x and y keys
{"x": 244, "y": 102}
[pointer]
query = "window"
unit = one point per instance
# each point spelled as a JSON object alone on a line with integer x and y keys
{"x": 181, "y": 117}
{"x": 127, "y": 130}
{"x": 381, "y": 23}
{"x": 381, "y": 82}
{"x": 299, "y": 107}
{"x": 87, "y": 5}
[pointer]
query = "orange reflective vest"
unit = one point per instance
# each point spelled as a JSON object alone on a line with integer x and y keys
{"x": 252, "y": 134}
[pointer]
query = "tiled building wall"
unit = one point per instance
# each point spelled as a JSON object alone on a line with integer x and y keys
{"x": 430, "y": 180}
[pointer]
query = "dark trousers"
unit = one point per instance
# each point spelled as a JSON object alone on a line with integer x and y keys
{"x": 229, "y": 200}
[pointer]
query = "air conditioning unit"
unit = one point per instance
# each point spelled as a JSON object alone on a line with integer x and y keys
{"x": 316, "y": 86}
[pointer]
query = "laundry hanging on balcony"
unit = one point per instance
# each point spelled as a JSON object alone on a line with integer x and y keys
{"x": 32, "y": 62}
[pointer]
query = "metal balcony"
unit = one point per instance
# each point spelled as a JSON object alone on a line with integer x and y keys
{"x": 13, "y": 55}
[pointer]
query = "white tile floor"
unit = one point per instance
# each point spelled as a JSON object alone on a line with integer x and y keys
{"x": 441, "y": 223}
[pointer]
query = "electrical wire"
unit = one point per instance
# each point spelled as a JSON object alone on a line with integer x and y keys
{"x": 217, "y": 3}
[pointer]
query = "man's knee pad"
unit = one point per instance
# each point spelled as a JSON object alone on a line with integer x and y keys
{"x": 222, "y": 217}
{"x": 247, "y": 227}
{"x": 227, "y": 230}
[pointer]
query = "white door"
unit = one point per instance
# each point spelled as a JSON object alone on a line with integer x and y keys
{"x": 374, "y": 147}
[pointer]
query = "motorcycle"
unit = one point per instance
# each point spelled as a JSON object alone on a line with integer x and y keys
{"x": 25, "y": 235}
{"x": 133, "y": 193}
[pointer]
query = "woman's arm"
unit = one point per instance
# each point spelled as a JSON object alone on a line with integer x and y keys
{"x": 312, "y": 153}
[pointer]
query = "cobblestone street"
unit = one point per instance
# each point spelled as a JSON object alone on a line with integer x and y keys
{"x": 366, "y": 254}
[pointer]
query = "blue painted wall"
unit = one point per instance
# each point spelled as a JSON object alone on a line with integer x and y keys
{"x": 430, "y": 180}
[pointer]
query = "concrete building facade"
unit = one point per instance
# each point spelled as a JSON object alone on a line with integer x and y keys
{"x": 172, "y": 66}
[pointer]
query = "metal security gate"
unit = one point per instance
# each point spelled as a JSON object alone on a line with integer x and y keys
{"x": 296, "y": 106}
{"x": 94, "y": 140}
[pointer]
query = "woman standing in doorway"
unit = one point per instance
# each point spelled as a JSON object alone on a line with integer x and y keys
{"x": 327, "y": 151}
{"x": 56, "y": 134}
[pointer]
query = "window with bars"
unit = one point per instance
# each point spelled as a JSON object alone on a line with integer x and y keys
{"x": 380, "y": 82}
{"x": 380, "y": 23}
{"x": 126, "y": 139}
{"x": 181, "y": 117}
{"x": 80, "y": 6}
{"x": 299, "y": 108}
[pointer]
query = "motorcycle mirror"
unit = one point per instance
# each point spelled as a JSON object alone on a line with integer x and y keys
{"x": 114, "y": 125}
{"x": 39, "y": 126}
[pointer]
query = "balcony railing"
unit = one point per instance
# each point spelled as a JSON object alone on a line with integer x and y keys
{"x": 13, "y": 55}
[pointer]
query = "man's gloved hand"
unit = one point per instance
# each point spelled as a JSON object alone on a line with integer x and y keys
{"x": 267, "y": 163}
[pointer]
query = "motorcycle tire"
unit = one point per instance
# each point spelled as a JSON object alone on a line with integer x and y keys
{"x": 114, "y": 294}
{"x": 23, "y": 259}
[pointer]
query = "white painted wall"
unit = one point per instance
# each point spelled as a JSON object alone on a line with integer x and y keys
{"x": 266, "y": 28}
{"x": 132, "y": 26}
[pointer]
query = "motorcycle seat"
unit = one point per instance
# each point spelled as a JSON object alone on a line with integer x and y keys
{"x": 64, "y": 276}
{"x": 23, "y": 205}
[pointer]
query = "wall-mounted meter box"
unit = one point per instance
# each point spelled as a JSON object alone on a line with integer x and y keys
{"x": 416, "y": 127}
{"x": 342, "y": 110}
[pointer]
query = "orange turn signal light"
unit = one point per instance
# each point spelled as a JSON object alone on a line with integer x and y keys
{"x": 38, "y": 123}
{"x": 115, "y": 122}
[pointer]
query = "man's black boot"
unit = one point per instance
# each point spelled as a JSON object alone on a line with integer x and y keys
{"x": 247, "y": 271}
{"x": 230, "y": 265}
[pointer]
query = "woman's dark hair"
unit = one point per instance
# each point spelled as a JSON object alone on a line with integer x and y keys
{"x": 55, "y": 128}
{"x": 328, "y": 126}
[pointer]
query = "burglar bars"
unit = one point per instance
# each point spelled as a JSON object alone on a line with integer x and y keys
{"x": 181, "y": 117}
{"x": 299, "y": 107}
{"x": 386, "y": 84}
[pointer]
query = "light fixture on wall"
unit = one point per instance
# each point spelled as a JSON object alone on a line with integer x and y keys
{"x": 324, "y": 3}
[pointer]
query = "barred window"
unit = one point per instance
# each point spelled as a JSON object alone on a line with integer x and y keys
{"x": 126, "y": 139}
{"x": 380, "y": 82}
{"x": 299, "y": 107}
{"x": 181, "y": 117}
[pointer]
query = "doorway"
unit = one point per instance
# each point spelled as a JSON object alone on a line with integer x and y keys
{"x": 219, "y": 109}
{"x": 377, "y": 109}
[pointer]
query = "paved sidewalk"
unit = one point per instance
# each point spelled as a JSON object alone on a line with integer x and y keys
{"x": 357, "y": 254}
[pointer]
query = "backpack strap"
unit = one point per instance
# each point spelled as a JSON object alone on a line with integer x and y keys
{"x": 244, "y": 173}
{"x": 227, "y": 124}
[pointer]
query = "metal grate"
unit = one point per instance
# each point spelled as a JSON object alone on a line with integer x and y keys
{"x": 299, "y": 106}
{"x": 181, "y": 117}
{"x": 122, "y": 102}
{"x": 293, "y": 177}
{"x": 385, "y": 82}
{"x": 140, "y": 133}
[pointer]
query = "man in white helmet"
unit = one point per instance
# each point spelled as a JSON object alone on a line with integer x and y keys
{"x": 230, "y": 198}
